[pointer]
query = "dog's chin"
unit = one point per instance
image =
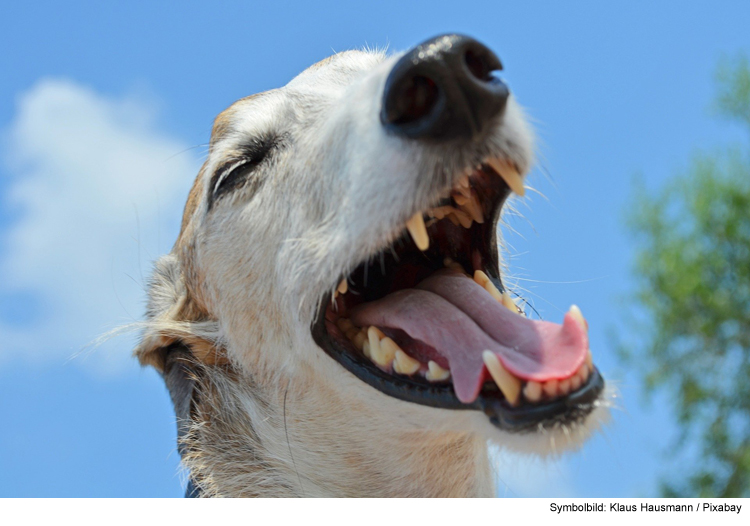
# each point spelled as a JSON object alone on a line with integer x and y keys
{"x": 545, "y": 439}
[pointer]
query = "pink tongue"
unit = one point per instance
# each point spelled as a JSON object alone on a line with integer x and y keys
{"x": 456, "y": 316}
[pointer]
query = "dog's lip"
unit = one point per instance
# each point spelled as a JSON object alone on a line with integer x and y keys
{"x": 490, "y": 401}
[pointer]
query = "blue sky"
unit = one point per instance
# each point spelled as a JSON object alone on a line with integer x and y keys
{"x": 103, "y": 113}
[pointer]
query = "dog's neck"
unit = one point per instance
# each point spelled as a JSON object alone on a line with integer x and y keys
{"x": 280, "y": 441}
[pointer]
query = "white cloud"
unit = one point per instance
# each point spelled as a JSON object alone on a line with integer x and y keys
{"x": 96, "y": 193}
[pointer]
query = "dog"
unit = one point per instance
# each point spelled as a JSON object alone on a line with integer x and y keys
{"x": 332, "y": 319}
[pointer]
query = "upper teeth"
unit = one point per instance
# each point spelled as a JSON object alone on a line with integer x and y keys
{"x": 470, "y": 207}
{"x": 509, "y": 174}
{"x": 418, "y": 231}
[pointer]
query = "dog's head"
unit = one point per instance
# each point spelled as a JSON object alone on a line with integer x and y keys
{"x": 342, "y": 235}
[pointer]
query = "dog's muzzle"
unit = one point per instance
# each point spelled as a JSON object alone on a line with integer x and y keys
{"x": 427, "y": 318}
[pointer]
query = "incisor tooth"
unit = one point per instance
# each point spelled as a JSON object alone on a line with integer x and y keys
{"x": 550, "y": 388}
{"x": 575, "y": 382}
{"x": 435, "y": 373}
{"x": 405, "y": 364}
{"x": 509, "y": 174}
{"x": 533, "y": 391}
{"x": 583, "y": 373}
{"x": 418, "y": 231}
{"x": 343, "y": 287}
{"x": 508, "y": 384}
{"x": 564, "y": 386}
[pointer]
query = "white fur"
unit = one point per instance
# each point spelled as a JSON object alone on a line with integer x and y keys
{"x": 276, "y": 415}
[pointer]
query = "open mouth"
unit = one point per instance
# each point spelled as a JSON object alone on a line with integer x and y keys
{"x": 428, "y": 320}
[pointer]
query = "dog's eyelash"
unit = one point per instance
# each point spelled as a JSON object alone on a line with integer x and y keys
{"x": 229, "y": 174}
{"x": 234, "y": 171}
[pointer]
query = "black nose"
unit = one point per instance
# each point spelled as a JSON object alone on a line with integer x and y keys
{"x": 443, "y": 89}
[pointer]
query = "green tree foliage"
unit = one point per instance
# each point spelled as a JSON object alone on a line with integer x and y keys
{"x": 693, "y": 284}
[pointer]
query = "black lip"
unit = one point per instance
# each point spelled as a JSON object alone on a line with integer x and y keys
{"x": 566, "y": 410}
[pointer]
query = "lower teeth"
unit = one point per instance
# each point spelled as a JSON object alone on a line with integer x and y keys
{"x": 386, "y": 354}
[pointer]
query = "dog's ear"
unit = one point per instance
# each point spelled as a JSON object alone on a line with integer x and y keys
{"x": 173, "y": 316}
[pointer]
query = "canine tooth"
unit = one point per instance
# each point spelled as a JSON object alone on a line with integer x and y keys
{"x": 343, "y": 287}
{"x": 532, "y": 391}
{"x": 550, "y": 388}
{"x": 578, "y": 316}
{"x": 435, "y": 373}
{"x": 403, "y": 363}
{"x": 509, "y": 174}
{"x": 508, "y": 384}
{"x": 418, "y": 231}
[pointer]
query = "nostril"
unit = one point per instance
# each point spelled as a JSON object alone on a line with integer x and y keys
{"x": 412, "y": 99}
{"x": 443, "y": 89}
{"x": 480, "y": 65}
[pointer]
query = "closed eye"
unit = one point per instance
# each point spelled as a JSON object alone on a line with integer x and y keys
{"x": 235, "y": 172}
